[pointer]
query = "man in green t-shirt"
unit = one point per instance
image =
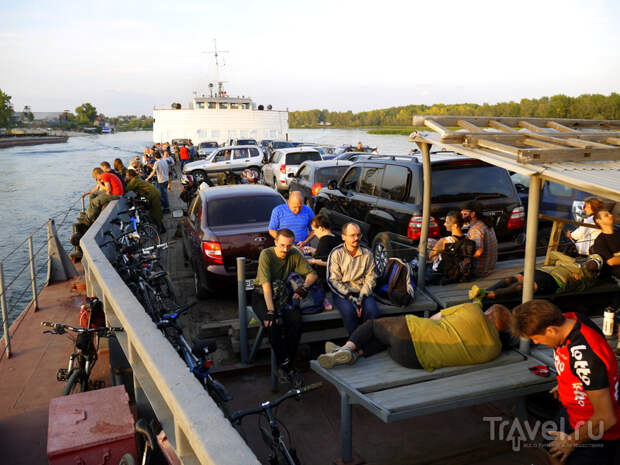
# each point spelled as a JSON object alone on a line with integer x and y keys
{"x": 271, "y": 302}
{"x": 459, "y": 335}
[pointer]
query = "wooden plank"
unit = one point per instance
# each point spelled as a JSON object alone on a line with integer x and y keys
{"x": 437, "y": 127}
{"x": 363, "y": 374}
{"x": 541, "y": 144}
{"x": 586, "y": 144}
{"x": 459, "y": 388}
{"x": 469, "y": 126}
{"x": 560, "y": 127}
{"x": 554, "y": 240}
{"x": 567, "y": 154}
{"x": 530, "y": 126}
{"x": 491, "y": 144}
{"x": 502, "y": 127}
{"x": 613, "y": 140}
{"x": 571, "y": 222}
{"x": 512, "y": 121}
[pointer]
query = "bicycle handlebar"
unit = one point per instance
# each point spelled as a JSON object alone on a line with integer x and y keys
{"x": 237, "y": 416}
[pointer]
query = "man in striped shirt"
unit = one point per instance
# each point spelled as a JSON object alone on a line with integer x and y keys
{"x": 293, "y": 215}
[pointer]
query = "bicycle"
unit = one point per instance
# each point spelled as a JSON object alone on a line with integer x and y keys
{"x": 196, "y": 356}
{"x": 84, "y": 357}
{"x": 281, "y": 454}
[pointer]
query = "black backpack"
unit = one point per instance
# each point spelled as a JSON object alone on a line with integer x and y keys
{"x": 457, "y": 260}
{"x": 396, "y": 286}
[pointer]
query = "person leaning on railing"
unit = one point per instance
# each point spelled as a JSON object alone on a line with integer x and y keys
{"x": 150, "y": 192}
{"x": 108, "y": 188}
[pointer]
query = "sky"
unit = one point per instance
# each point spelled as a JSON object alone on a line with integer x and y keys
{"x": 127, "y": 56}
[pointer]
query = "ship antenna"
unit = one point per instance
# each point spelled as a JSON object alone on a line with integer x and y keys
{"x": 220, "y": 83}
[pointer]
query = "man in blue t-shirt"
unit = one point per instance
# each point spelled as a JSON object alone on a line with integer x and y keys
{"x": 293, "y": 215}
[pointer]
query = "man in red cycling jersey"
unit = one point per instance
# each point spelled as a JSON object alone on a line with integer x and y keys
{"x": 587, "y": 376}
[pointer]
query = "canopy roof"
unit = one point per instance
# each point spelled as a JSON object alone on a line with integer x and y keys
{"x": 583, "y": 154}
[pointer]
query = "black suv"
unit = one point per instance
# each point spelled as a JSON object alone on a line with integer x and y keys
{"x": 383, "y": 193}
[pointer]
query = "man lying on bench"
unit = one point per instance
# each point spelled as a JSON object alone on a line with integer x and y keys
{"x": 563, "y": 274}
{"x": 459, "y": 335}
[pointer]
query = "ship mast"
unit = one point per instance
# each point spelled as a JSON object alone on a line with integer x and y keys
{"x": 220, "y": 84}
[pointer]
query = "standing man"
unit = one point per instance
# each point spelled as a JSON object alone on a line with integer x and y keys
{"x": 587, "y": 376}
{"x": 161, "y": 168}
{"x": 271, "y": 303}
{"x": 183, "y": 156}
{"x": 485, "y": 256}
{"x": 360, "y": 147}
{"x": 293, "y": 215}
{"x": 607, "y": 244}
{"x": 351, "y": 276}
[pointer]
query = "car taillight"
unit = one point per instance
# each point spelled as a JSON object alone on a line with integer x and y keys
{"x": 212, "y": 251}
{"x": 517, "y": 218}
{"x": 283, "y": 169}
{"x": 316, "y": 187}
{"x": 415, "y": 228}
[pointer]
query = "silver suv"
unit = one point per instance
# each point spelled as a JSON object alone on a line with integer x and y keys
{"x": 279, "y": 171}
{"x": 226, "y": 159}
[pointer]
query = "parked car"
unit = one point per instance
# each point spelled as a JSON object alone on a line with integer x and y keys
{"x": 242, "y": 142}
{"x": 223, "y": 223}
{"x": 206, "y": 148}
{"x": 285, "y": 161}
{"x": 353, "y": 156}
{"x": 383, "y": 194}
{"x": 312, "y": 176}
{"x": 226, "y": 159}
{"x": 327, "y": 152}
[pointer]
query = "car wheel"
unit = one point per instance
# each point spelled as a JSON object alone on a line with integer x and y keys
{"x": 199, "y": 288}
{"x": 199, "y": 176}
{"x": 258, "y": 173}
{"x": 382, "y": 251}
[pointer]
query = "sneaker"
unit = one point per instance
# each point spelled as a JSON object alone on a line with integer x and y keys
{"x": 294, "y": 379}
{"x": 342, "y": 356}
{"x": 475, "y": 291}
{"x": 282, "y": 376}
{"x": 331, "y": 347}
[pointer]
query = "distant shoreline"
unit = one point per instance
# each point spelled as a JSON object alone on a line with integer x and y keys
{"x": 7, "y": 142}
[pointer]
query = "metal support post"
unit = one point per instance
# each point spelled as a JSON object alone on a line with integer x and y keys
{"x": 533, "y": 205}
{"x": 426, "y": 212}
{"x": 346, "y": 428}
{"x": 5, "y": 318}
{"x": 33, "y": 275}
{"x": 243, "y": 310}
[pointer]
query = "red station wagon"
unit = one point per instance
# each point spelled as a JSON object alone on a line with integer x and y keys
{"x": 223, "y": 223}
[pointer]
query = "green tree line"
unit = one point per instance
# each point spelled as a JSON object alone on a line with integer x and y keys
{"x": 588, "y": 106}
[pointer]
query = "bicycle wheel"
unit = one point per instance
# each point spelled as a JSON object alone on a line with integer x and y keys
{"x": 77, "y": 382}
{"x": 148, "y": 235}
{"x": 165, "y": 290}
{"x": 219, "y": 400}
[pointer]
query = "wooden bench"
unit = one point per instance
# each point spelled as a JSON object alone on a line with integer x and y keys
{"x": 393, "y": 393}
{"x": 457, "y": 293}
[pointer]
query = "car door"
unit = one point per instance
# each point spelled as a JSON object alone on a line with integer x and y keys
{"x": 219, "y": 162}
{"x": 192, "y": 232}
{"x": 393, "y": 209}
{"x": 339, "y": 204}
{"x": 365, "y": 199}
{"x": 240, "y": 159}
{"x": 301, "y": 181}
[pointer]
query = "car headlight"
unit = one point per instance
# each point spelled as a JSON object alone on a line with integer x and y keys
{"x": 577, "y": 210}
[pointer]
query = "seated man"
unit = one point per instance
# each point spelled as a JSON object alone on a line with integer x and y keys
{"x": 607, "y": 244}
{"x": 351, "y": 277}
{"x": 587, "y": 377}
{"x": 459, "y": 335}
{"x": 108, "y": 188}
{"x": 563, "y": 274}
{"x": 271, "y": 301}
{"x": 150, "y": 192}
{"x": 293, "y": 215}
{"x": 485, "y": 256}
{"x": 583, "y": 236}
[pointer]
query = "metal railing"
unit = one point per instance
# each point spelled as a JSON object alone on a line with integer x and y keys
{"x": 33, "y": 284}
{"x": 195, "y": 426}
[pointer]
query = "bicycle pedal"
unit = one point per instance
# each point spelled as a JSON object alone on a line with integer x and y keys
{"x": 62, "y": 374}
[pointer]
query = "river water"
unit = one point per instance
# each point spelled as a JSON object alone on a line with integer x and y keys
{"x": 45, "y": 181}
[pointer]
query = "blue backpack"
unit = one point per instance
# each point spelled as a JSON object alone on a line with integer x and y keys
{"x": 396, "y": 286}
{"x": 313, "y": 302}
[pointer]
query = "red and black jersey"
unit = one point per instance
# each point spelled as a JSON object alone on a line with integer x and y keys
{"x": 586, "y": 362}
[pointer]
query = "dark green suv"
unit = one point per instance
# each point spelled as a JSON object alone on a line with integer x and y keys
{"x": 383, "y": 194}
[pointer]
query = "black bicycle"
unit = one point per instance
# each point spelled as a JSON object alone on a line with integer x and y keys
{"x": 196, "y": 356}
{"x": 84, "y": 356}
{"x": 281, "y": 454}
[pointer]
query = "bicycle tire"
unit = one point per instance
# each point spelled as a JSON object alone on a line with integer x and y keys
{"x": 149, "y": 236}
{"x": 219, "y": 401}
{"x": 75, "y": 383}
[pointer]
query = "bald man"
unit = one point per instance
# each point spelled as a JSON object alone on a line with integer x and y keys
{"x": 293, "y": 215}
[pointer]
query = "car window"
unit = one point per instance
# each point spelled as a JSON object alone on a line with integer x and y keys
{"x": 297, "y": 158}
{"x": 254, "y": 152}
{"x": 208, "y": 145}
{"x": 560, "y": 190}
{"x": 304, "y": 173}
{"x": 224, "y": 155}
{"x": 195, "y": 212}
{"x": 468, "y": 182}
{"x": 350, "y": 180}
{"x": 325, "y": 175}
{"x": 256, "y": 209}
{"x": 371, "y": 176}
{"x": 394, "y": 185}
{"x": 240, "y": 154}
{"x": 276, "y": 157}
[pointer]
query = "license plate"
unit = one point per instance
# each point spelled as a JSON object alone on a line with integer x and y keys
{"x": 249, "y": 284}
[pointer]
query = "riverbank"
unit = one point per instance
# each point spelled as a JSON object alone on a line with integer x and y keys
{"x": 6, "y": 142}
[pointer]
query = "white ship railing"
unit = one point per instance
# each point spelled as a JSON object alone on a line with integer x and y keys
{"x": 195, "y": 426}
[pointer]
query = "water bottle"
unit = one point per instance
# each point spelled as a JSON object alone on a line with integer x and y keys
{"x": 608, "y": 322}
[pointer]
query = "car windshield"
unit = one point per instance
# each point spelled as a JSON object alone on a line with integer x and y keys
{"x": 208, "y": 145}
{"x": 325, "y": 175}
{"x": 297, "y": 158}
{"x": 226, "y": 212}
{"x": 453, "y": 184}
{"x": 281, "y": 145}
{"x": 246, "y": 142}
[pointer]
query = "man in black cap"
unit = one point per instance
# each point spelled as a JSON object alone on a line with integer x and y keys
{"x": 485, "y": 256}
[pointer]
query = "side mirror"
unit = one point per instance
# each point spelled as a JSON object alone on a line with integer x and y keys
{"x": 332, "y": 184}
{"x": 291, "y": 175}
